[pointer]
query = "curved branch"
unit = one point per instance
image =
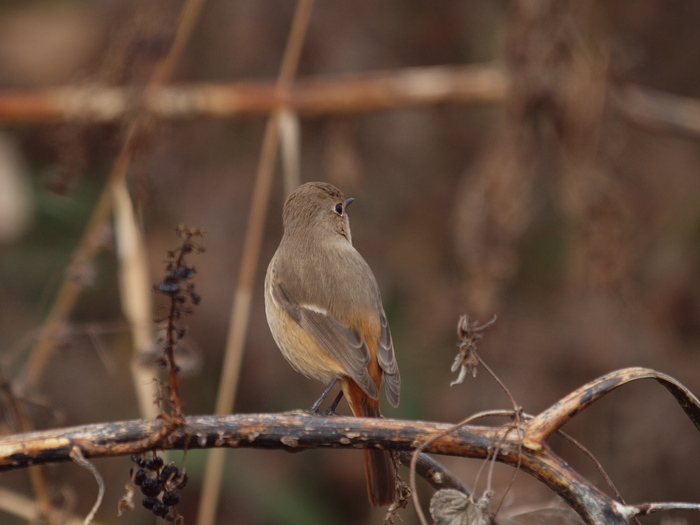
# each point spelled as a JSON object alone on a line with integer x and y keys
{"x": 548, "y": 422}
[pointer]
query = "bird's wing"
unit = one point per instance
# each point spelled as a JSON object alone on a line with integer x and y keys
{"x": 387, "y": 361}
{"x": 343, "y": 345}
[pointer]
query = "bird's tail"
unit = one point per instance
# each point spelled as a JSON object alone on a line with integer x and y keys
{"x": 379, "y": 465}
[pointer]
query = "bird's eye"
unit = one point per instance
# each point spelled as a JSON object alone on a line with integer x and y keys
{"x": 339, "y": 208}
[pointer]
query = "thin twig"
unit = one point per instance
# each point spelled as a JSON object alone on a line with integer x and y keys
{"x": 77, "y": 456}
{"x": 596, "y": 463}
{"x": 517, "y": 425}
{"x": 177, "y": 286}
{"x": 188, "y": 20}
{"x": 426, "y": 444}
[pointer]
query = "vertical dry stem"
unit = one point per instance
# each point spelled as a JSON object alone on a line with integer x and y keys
{"x": 240, "y": 313}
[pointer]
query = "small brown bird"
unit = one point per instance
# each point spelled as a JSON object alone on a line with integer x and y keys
{"x": 325, "y": 313}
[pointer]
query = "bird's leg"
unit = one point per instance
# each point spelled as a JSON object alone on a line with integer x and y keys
{"x": 314, "y": 407}
{"x": 331, "y": 409}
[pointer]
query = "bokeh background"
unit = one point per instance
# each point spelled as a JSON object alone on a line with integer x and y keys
{"x": 554, "y": 208}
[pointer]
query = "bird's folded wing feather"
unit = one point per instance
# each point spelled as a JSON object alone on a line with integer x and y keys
{"x": 343, "y": 345}
{"x": 387, "y": 360}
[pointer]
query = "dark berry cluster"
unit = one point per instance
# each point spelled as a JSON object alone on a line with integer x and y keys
{"x": 159, "y": 484}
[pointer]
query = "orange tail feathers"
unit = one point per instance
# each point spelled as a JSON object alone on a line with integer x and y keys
{"x": 381, "y": 477}
{"x": 379, "y": 465}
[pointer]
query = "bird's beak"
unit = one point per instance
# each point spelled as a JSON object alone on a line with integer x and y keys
{"x": 348, "y": 202}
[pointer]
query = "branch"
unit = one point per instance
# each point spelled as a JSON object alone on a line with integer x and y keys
{"x": 552, "y": 419}
{"x": 297, "y": 431}
{"x": 323, "y": 96}
{"x": 658, "y": 110}
{"x": 312, "y": 96}
{"x": 300, "y": 430}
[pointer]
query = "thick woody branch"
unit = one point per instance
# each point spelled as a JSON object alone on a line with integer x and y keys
{"x": 290, "y": 431}
{"x": 521, "y": 446}
{"x": 296, "y": 431}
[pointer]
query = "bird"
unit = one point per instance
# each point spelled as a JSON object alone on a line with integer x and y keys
{"x": 324, "y": 309}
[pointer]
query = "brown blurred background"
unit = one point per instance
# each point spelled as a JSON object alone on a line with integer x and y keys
{"x": 578, "y": 225}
